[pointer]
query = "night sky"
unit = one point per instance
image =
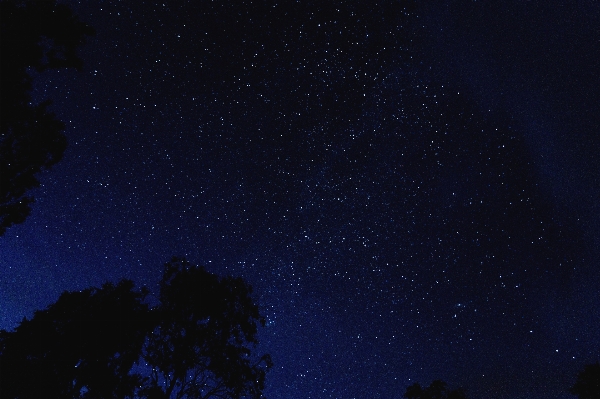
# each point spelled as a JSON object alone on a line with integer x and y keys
{"x": 411, "y": 189}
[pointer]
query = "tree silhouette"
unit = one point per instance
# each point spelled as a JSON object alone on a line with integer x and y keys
{"x": 81, "y": 346}
{"x": 36, "y": 35}
{"x": 437, "y": 390}
{"x": 200, "y": 347}
{"x": 107, "y": 342}
{"x": 588, "y": 383}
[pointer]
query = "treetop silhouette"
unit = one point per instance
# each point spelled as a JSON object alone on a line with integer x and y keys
{"x": 587, "y": 385}
{"x": 36, "y": 35}
{"x": 437, "y": 390}
{"x": 107, "y": 342}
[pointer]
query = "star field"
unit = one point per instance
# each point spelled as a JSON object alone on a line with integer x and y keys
{"x": 411, "y": 189}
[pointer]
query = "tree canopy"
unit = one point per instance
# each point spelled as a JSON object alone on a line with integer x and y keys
{"x": 588, "y": 383}
{"x": 34, "y": 35}
{"x": 437, "y": 390}
{"x": 197, "y": 342}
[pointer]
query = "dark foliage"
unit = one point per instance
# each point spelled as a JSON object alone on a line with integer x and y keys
{"x": 107, "y": 342}
{"x": 437, "y": 390}
{"x": 588, "y": 383}
{"x": 200, "y": 346}
{"x": 36, "y": 35}
{"x": 86, "y": 341}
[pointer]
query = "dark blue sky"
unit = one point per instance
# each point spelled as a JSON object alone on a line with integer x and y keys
{"x": 411, "y": 190}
